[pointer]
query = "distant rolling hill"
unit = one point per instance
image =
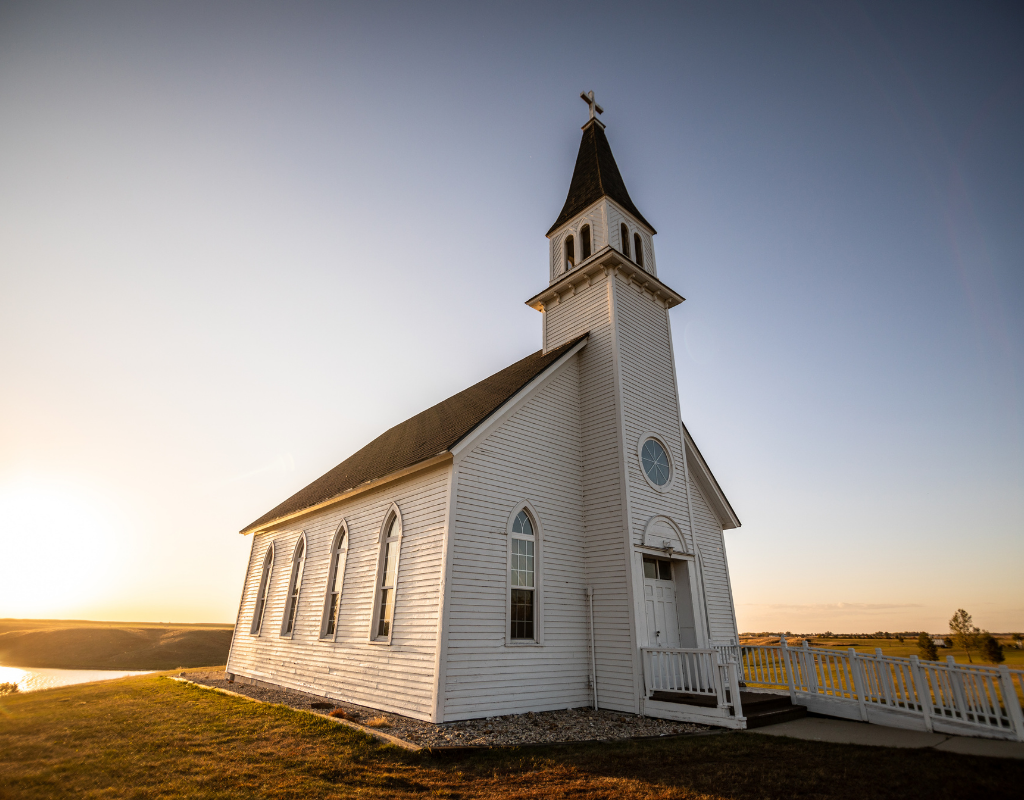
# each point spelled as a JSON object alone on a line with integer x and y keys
{"x": 72, "y": 644}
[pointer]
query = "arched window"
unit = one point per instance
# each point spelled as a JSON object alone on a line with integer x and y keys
{"x": 624, "y": 238}
{"x": 570, "y": 253}
{"x": 335, "y": 579}
{"x": 261, "y": 596}
{"x": 585, "y": 239}
{"x": 294, "y": 587}
{"x": 522, "y": 579}
{"x": 638, "y": 246}
{"x": 387, "y": 578}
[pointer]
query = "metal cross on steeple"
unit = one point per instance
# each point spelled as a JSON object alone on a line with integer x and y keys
{"x": 588, "y": 98}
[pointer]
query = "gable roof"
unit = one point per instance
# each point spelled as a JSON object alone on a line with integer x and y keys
{"x": 596, "y": 175}
{"x": 708, "y": 483}
{"x": 430, "y": 433}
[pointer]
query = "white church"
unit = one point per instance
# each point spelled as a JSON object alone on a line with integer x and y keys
{"x": 529, "y": 544}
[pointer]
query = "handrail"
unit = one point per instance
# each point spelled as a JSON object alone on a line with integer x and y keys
{"x": 976, "y": 697}
{"x": 696, "y": 671}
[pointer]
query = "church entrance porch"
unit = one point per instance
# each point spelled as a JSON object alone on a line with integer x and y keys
{"x": 692, "y": 685}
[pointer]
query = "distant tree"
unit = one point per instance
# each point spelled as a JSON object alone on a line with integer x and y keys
{"x": 926, "y": 648}
{"x": 966, "y": 635}
{"x": 991, "y": 650}
{"x": 899, "y": 639}
{"x": 8, "y": 688}
{"x": 1018, "y": 640}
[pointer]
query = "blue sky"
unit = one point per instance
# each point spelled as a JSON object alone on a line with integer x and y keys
{"x": 238, "y": 241}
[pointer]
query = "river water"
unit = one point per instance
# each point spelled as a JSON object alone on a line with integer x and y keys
{"x": 34, "y": 679}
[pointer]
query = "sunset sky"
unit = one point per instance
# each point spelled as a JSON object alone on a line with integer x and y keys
{"x": 238, "y": 241}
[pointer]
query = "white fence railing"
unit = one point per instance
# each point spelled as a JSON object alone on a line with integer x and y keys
{"x": 906, "y": 692}
{"x": 729, "y": 653}
{"x": 693, "y": 671}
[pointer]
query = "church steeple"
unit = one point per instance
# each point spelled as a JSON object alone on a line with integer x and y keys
{"x": 596, "y": 175}
{"x": 598, "y": 211}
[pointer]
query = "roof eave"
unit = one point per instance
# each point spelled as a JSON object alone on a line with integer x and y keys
{"x": 427, "y": 463}
{"x": 722, "y": 507}
{"x": 445, "y": 456}
{"x": 468, "y": 441}
{"x": 622, "y": 210}
{"x": 606, "y": 261}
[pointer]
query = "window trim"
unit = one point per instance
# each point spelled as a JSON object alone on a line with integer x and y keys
{"x": 538, "y": 590}
{"x": 263, "y": 591}
{"x": 296, "y": 575}
{"x": 332, "y": 568}
{"x": 586, "y": 240}
{"x": 569, "y": 261}
{"x": 671, "y": 460}
{"x": 624, "y": 239}
{"x": 638, "y": 245}
{"x": 372, "y": 637}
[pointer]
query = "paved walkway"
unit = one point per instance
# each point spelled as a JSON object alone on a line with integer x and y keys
{"x": 820, "y": 729}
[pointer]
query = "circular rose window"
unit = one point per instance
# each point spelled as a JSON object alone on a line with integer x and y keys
{"x": 655, "y": 462}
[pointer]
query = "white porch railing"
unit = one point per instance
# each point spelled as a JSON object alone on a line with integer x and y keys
{"x": 693, "y": 671}
{"x": 906, "y": 692}
{"x": 730, "y": 653}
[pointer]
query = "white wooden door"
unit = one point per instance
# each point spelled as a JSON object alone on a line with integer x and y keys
{"x": 660, "y": 603}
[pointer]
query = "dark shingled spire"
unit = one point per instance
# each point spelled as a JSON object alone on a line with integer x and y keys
{"x": 596, "y": 176}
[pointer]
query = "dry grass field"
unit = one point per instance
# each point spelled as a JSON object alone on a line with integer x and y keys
{"x": 893, "y": 647}
{"x": 72, "y": 644}
{"x": 150, "y": 737}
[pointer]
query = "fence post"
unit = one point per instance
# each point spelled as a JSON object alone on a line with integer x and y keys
{"x": 922, "y": 692}
{"x": 1013, "y": 709}
{"x": 716, "y": 670}
{"x": 858, "y": 678}
{"x": 808, "y": 661}
{"x": 788, "y": 664}
{"x": 958, "y": 689}
{"x": 734, "y": 682}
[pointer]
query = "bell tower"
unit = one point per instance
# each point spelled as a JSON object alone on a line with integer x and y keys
{"x": 603, "y": 282}
{"x": 598, "y": 212}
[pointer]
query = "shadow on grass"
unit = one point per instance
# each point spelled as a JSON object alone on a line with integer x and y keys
{"x": 150, "y": 737}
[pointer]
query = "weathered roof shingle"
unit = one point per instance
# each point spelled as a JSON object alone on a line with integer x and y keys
{"x": 596, "y": 175}
{"x": 428, "y": 434}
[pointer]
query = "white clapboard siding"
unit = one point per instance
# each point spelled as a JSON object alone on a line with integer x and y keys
{"x": 651, "y": 402}
{"x": 607, "y": 567}
{"x": 535, "y": 456}
{"x": 398, "y": 677}
{"x": 651, "y": 405}
{"x": 721, "y": 612}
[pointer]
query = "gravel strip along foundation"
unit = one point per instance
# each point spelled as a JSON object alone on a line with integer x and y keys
{"x": 571, "y": 725}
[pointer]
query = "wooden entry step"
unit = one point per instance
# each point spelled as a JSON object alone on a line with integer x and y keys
{"x": 760, "y": 708}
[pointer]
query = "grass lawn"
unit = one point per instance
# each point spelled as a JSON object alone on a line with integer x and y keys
{"x": 149, "y": 737}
